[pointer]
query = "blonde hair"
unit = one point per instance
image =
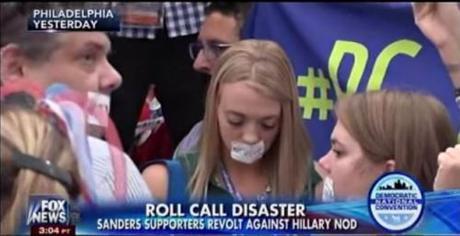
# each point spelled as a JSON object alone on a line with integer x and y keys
{"x": 25, "y": 130}
{"x": 409, "y": 127}
{"x": 266, "y": 64}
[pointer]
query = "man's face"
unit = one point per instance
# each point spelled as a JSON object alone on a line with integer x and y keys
{"x": 80, "y": 61}
{"x": 216, "y": 29}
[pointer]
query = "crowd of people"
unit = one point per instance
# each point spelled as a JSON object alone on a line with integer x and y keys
{"x": 250, "y": 143}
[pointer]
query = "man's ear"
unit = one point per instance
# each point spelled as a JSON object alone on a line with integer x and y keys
{"x": 390, "y": 165}
{"x": 11, "y": 63}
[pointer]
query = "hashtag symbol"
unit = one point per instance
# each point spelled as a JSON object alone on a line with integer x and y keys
{"x": 309, "y": 102}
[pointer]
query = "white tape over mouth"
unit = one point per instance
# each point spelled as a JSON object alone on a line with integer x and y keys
{"x": 102, "y": 104}
{"x": 247, "y": 153}
{"x": 328, "y": 190}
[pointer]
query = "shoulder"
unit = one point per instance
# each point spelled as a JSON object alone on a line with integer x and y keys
{"x": 104, "y": 172}
{"x": 157, "y": 177}
{"x": 160, "y": 175}
{"x": 189, "y": 162}
{"x": 100, "y": 158}
{"x": 101, "y": 152}
{"x": 190, "y": 142}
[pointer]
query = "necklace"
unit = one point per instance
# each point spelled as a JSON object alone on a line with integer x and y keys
{"x": 231, "y": 188}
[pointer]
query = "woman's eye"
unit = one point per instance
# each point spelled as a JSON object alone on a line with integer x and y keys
{"x": 235, "y": 122}
{"x": 268, "y": 127}
{"x": 337, "y": 152}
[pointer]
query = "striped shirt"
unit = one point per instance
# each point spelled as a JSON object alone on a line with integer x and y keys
{"x": 103, "y": 173}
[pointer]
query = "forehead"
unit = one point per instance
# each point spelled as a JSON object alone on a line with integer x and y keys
{"x": 244, "y": 98}
{"x": 343, "y": 136}
{"x": 78, "y": 40}
{"x": 219, "y": 28}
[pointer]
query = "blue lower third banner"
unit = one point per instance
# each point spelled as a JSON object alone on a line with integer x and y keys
{"x": 48, "y": 215}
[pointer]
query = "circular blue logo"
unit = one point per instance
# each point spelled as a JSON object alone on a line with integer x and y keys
{"x": 396, "y": 201}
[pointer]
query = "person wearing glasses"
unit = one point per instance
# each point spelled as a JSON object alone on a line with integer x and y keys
{"x": 253, "y": 145}
{"x": 221, "y": 27}
{"x": 205, "y": 54}
{"x": 151, "y": 48}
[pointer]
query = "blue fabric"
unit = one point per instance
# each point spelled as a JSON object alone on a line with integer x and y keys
{"x": 177, "y": 180}
{"x": 177, "y": 184}
{"x": 309, "y": 32}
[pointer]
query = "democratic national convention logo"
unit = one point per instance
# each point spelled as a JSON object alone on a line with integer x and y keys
{"x": 396, "y": 202}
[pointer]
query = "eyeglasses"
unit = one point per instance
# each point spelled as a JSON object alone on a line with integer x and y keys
{"x": 211, "y": 50}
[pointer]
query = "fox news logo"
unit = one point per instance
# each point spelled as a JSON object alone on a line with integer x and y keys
{"x": 47, "y": 210}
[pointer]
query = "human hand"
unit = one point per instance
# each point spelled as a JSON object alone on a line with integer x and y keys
{"x": 440, "y": 23}
{"x": 448, "y": 175}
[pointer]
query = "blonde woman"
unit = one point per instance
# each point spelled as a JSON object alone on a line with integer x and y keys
{"x": 384, "y": 131}
{"x": 36, "y": 158}
{"x": 254, "y": 144}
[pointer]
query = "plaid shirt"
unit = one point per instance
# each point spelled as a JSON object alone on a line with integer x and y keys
{"x": 179, "y": 19}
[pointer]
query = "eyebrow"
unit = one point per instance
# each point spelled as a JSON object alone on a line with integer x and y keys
{"x": 334, "y": 141}
{"x": 97, "y": 47}
{"x": 269, "y": 117}
{"x": 220, "y": 43}
{"x": 214, "y": 41}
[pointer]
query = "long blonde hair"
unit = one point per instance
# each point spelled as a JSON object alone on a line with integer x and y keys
{"x": 27, "y": 131}
{"x": 266, "y": 64}
{"x": 409, "y": 127}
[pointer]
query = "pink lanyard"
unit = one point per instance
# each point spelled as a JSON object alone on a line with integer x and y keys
{"x": 231, "y": 188}
{"x": 229, "y": 184}
{"x": 119, "y": 165}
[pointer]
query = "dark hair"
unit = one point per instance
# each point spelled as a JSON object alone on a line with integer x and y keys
{"x": 238, "y": 10}
{"x": 13, "y": 28}
{"x": 226, "y": 8}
